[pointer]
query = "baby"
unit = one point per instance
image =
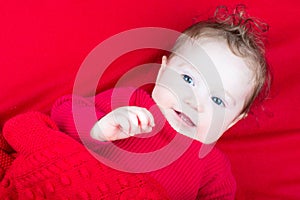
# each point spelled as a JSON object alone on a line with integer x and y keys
{"x": 216, "y": 70}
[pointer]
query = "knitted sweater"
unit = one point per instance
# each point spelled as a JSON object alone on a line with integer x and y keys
{"x": 169, "y": 157}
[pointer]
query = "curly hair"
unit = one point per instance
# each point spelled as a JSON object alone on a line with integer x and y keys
{"x": 245, "y": 38}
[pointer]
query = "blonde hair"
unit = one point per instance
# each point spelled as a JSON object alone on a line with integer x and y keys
{"x": 245, "y": 38}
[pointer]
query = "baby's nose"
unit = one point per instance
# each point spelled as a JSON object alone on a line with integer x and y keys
{"x": 194, "y": 104}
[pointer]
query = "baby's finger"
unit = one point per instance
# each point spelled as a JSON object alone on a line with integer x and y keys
{"x": 148, "y": 118}
{"x": 151, "y": 118}
{"x": 143, "y": 118}
{"x": 133, "y": 123}
{"x": 121, "y": 119}
{"x": 148, "y": 129}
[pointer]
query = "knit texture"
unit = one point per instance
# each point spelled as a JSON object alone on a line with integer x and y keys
{"x": 6, "y": 155}
{"x": 177, "y": 166}
{"x": 51, "y": 165}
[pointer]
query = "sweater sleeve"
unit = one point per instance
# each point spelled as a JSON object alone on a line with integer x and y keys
{"x": 62, "y": 114}
{"x": 76, "y": 115}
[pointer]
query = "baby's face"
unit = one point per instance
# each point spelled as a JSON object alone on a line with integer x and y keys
{"x": 202, "y": 92}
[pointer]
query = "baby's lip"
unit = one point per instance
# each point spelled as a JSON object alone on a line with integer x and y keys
{"x": 186, "y": 119}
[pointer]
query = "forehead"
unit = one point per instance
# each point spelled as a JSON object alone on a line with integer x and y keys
{"x": 232, "y": 70}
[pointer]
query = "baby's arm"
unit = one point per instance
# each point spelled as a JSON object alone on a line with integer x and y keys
{"x": 122, "y": 123}
{"x": 62, "y": 114}
{"x": 63, "y": 111}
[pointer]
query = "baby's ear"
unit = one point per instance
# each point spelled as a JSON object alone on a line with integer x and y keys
{"x": 238, "y": 118}
{"x": 162, "y": 66}
{"x": 164, "y": 62}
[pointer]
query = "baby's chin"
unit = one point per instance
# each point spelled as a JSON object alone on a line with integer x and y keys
{"x": 192, "y": 134}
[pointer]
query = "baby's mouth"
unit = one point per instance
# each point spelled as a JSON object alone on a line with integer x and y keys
{"x": 185, "y": 118}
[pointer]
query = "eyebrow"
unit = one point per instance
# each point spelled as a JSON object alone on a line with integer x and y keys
{"x": 230, "y": 97}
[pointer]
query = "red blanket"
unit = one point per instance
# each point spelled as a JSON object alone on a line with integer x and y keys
{"x": 51, "y": 165}
{"x": 44, "y": 43}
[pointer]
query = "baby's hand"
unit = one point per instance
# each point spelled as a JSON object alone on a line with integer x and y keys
{"x": 122, "y": 123}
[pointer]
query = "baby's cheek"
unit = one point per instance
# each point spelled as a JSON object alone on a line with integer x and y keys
{"x": 163, "y": 96}
{"x": 204, "y": 126}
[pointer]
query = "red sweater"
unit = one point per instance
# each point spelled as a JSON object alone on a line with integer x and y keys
{"x": 169, "y": 157}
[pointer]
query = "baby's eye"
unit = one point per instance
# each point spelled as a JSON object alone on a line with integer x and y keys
{"x": 188, "y": 79}
{"x": 218, "y": 101}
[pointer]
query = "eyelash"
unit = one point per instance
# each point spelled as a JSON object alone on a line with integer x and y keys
{"x": 216, "y": 100}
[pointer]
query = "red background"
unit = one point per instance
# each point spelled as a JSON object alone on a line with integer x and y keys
{"x": 43, "y": 43}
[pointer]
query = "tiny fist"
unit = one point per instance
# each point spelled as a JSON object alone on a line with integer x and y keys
{"x": 148, "y": 130}
{"x": 94, "y": 131}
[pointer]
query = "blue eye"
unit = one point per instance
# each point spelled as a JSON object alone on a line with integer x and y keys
{"x": 218, "y": 101}
{"x": 188, "y": 79}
